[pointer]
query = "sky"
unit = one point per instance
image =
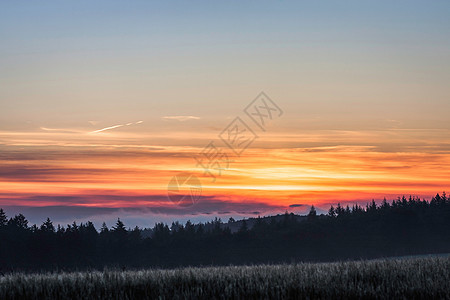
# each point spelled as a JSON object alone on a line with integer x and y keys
{"x": 102, "y": 103}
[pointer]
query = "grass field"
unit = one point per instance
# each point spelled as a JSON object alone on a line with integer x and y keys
{"x": 410, "y": 278}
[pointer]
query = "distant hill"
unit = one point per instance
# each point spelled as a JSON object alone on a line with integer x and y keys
{"x": 233, "y": 225}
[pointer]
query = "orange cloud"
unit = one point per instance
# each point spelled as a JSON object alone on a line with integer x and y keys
{"x": 316, "y": 167}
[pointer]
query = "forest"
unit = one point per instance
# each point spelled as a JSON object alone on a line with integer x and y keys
{"x": 405, "y": 226}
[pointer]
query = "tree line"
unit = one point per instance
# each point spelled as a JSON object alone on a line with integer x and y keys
{"x": 405, "y": 226}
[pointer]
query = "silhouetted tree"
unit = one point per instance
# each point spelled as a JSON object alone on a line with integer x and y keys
{"x": 19, "y": 221}
{"x": 312, "y": 213}
{"x": 217, "y": 226}
{"x": 244, "y": 227}
{"x": 176, "y": 227}
{"x": 3, "y": 218}
{"x": 104, "y": 229}
{"x": 373, "y": 206}
{"x": 332, "y": 212}
{"x": 385, "y": 205}
{"x": 47, "y": 226}
{"x": 339, "y": 210}
{"x": 120, "y": 226}
{"x": 161, "y": 231}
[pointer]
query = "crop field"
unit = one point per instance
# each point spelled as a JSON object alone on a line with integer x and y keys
{"x": 410, "y": 278}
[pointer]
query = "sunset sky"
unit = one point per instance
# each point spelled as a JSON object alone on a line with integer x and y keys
{"x": 102, "y": 104}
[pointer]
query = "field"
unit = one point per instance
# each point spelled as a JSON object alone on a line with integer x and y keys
{"x": 410, "y": 278}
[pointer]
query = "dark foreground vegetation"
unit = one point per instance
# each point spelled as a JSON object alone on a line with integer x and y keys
{"x": 403, "y": 227}
{"x": 416, "y": 278}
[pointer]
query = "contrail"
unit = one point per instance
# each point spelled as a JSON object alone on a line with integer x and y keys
{"x": 115, "y": 126}
{"x": 107, "y": 128}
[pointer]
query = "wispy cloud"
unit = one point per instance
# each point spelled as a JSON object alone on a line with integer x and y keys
{"x": 60, "y": 130}
{"x": 181, "y": 118}
{"x": 115, "y": 126}
{"x": 296, "y": 205}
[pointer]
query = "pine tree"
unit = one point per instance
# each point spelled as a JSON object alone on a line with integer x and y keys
{"x": 332, "y": 212}
{"x": 104, "y": 229}
{"x": 385, "y": 205}
{"x": 120, "y": 227}
{"x": 60, "y": 230}
{"x": 3, "y": 218}
{"x": 244, "y": 227}
{"x": 176, "y": 227}
{"x": 190, "y": 228}
{"x": 47, "y": 226}
{"x": 347, "y": 210}
{"x": 120, "y": 233}
{"x": 312, "y": 213}
{"x": 19, "y": 221}
{"x": 339, "y": 210}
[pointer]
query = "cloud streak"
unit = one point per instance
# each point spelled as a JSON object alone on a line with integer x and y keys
{"x": 60, "y": 130}
{"x": 181, "y": 118}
